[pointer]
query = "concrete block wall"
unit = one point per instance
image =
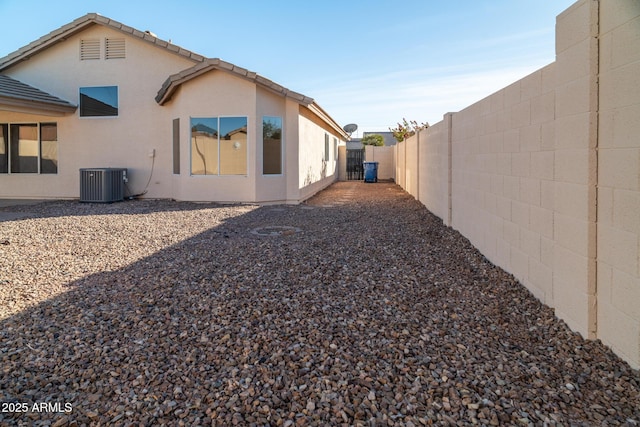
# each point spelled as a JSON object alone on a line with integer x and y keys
{"x": 400, "y": 157}
{"x": 575, "y": 177}
{"x": 503, "y": 178}
{"x": 618, "y": 208}
{"x": 342, "y": 163}
{"x": 385, "y": 156}
{"x": 411, "y": 153}
{"x": 434, "y": 180}
{"x": 543, "y": 176}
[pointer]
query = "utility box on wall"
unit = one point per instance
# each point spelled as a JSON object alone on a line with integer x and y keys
{"x": 102, "y": 185}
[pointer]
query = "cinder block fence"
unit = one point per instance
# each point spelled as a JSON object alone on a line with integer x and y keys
{"x": 543, "y": 176}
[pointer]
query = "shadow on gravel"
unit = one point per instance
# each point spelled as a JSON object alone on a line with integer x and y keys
{"x": 58, "y": 208}
{"x": 366, "y": 312}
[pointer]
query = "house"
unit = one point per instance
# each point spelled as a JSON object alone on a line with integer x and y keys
{"x": 389, "y": 140}
{"x": 96, "y": 93}
{"x": 356, "y": 143}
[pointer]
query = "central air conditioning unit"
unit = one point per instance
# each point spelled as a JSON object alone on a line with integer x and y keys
{"x": 102, "y": 185}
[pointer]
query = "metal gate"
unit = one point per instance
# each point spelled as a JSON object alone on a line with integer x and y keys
{"x": 355, "y": 170}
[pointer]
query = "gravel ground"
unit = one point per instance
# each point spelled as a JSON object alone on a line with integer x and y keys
{"x": 356, "y": 308}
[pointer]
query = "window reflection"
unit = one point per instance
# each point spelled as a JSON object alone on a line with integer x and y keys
{"x": 98, "y": 101}
{"x": 28, "y": 148}
{"x": 4, "y": 148}
{"x": 219, "y": 146}
{"x": 271, "y": 145}
{"x": 48, "y": 148}
{"x": 24, "y": 148}
{"x": 204, "y": 146}
{"x": 233, "y": 146}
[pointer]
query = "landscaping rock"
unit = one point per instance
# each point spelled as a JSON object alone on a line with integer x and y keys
{"x": 356, "y": 308}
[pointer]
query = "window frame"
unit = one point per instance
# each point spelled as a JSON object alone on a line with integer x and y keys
{"x": 281, "y": 145}
{"x": 327, "y": 154}
{"x": 40, "y": 141}
{"x": 218, "y": 166}
{"x": 6, "y": 143}
{"x": 176, "y": 146}
{"x": 38, "y": 145}
{"x": 98, "y": 116}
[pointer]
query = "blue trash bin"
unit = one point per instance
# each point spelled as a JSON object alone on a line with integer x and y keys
{"x": 370, "y": 171}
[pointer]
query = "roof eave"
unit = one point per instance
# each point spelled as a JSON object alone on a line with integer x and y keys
{"x": 35, "y": 107}
{"x": 47, "y": 40}
{"x": 319, "y": 111}
{"x": 79, "y": 25}
{"x": 175, "y": 80}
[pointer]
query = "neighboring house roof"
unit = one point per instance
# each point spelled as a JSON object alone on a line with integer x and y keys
{"x": 18, "y": 95}
{"x": 94, "y": 107}
{"x": 80, "y": 24}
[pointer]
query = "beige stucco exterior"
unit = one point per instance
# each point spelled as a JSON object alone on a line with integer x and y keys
{"x": 543, "y": 176}
{"x": 141, "y": 139}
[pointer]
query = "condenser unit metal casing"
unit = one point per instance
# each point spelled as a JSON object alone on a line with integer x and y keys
{"x": 102, "y": 185}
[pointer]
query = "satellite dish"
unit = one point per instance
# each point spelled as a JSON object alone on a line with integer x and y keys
{"x": 350, "y": 128}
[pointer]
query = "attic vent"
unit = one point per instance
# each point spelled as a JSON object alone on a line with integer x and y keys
{"x": 89, "y": 49}
{"x": 114, "y": 48}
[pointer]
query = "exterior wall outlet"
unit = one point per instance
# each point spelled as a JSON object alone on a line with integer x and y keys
{"x": 152, "y": 152}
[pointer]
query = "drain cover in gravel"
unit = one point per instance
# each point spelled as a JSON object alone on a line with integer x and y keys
{"x": 275, "y": 230}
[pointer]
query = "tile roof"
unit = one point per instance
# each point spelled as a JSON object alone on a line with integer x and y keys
{"x": 79, "y": 25}
{"x": 202, "y": 64}
{"x": 175, "y": 80}
{"x": 17, "y": 94}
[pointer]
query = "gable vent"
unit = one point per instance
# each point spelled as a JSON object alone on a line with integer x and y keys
{"x": 114, "y": 48}
{"x": 89, "y": 49}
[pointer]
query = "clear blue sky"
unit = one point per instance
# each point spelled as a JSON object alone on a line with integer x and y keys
{"x": 369, "y": 62}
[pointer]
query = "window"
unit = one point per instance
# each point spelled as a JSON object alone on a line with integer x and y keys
{"x": 335, "y": 148}
{"x": 29, "y": 148}
{"x": 176, "y": 146}
{"x": 4, "y": 148}
{"x": 48, "y": 148}
{"x": 99, "y": 101}
{"x": 219, "y": 146}
{"x": 271, "y": 145}
{"x": 326, "y": 147}
{"x": 23, "y": 149}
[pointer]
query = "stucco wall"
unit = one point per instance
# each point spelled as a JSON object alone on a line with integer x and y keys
{"x": 83, "y": 142}
{"x": 315, "y": 173}
{"x": 215, "y": 94}
{"x": 141, "y": 137}
{"x": 271, "y": 188}
{"x": 543, "y": 176}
